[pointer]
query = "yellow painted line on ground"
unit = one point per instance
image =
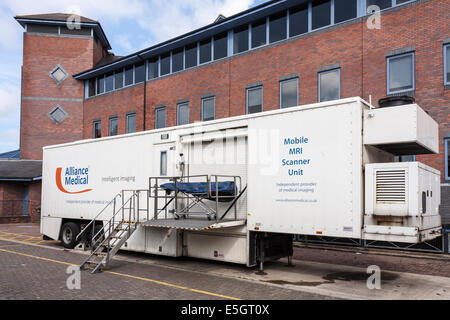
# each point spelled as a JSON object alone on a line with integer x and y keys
{"x": 172, "y": 285}
{"x": 126, "y": 275}
{"x": 36, "y": 257}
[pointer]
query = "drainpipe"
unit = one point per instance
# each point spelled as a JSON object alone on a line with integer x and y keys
{"x": 145, "y": 91}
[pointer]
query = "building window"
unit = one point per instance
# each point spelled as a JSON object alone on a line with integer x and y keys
{"x": 76, "y": 32}
{"x": 345, "y": 10}
{"x": 400, "y": 73}
{"x": 101, "y": 85}
{"x": 160, "y": 117}
{"x": 254, "y": 99}
{"x": 383, "y": 4}
{"x": 165, "y": 64}
{"x": 191, "y": 55}
{"x": 183, "y": 113}
{"x": 447, "y": 158}
{"x": 131, "y": 122}
{"x": 447, "y": 64}
{"x": 37, "y": 28}
{"x": 404, "y": 158}
{"x": 208, "y": 109}
{"x": 298, "y": 20}
{"x": 220, "y": 46}
{"x": 153, "y": 68}
{"x": 113, "y": 122}
{"x": 97, "y": 129}
{"x": 139, "y": 72}
{"x": 321, "y": 13}
{"x": 289, "y": 93}
{"x": 129, "y": 75}
{"x": 118, "y": 79}
{"x": 259, "y": 33}
{"x": 278, "y": 27}
{"x": 205, "y": 51}
{"x": 177, "y": 60}
{"x": 92, "y": 87}
{"x": 330, "y": 85}
{"x": 240, "y": 39}
{"x": 163, "y": 163}
{"x": 109, "y": 82}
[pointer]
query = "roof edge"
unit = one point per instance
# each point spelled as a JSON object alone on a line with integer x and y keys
{"x": 95, "y": 24}
{"x": 137, "y": 54}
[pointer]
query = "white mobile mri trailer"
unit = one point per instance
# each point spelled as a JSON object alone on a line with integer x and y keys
{"x": 322, "y": 169}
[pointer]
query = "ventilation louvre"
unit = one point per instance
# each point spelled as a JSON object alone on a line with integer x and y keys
{"x": 391, "y": 186}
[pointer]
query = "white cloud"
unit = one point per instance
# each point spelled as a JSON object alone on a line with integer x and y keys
{"x": 106, "y": 9}
{"x": 9, "y": 99}
{"x": 167, "y": 19}
{"x": 9, "y": 140}
{"x": 130, "y": 25}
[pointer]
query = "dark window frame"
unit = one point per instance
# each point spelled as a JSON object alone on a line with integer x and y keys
{"x": 179, "y": 105}
{"x": 262, "y": 97}
{"x": 205, "y": 99}
{"x": 446, "y": 65}
{"x": 111, "y": 119}
{"x": 158, "y": 109}
{"x": 319, "y": 74}
{"x": 131, "y": 114}
{"x": 97, "y": 122}
{"x": 388, "y": 61}
{"x": 281, "y": 94}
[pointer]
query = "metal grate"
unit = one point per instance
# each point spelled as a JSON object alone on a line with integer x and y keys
{"x": 57, "y": 114}
{"x": 58, "y": 74}
{"x": 391, "y": 186}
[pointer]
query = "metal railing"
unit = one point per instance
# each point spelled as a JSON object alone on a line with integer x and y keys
{"x": 133, "y": 207}
{"x": 163, "y": 199}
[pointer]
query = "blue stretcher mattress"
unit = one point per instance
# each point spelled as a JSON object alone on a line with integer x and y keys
{"x": 225, "y": 188}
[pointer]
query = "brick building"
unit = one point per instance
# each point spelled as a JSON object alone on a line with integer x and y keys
{"x": 276, "y": 55}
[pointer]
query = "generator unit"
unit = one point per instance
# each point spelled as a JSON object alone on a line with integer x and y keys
{"x": 401, "y": 202}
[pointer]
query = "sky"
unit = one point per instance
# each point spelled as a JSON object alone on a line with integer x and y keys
{"x": 130, "y": 25}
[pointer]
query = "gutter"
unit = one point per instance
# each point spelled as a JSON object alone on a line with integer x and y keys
{"x": 145, "y": 90}
{"x": 22, "y": 179}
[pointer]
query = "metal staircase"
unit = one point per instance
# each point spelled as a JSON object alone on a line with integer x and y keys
{"x": 110, "y": 237}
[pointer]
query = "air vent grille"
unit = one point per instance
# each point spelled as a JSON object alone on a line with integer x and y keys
{"x": 391, "y": 186}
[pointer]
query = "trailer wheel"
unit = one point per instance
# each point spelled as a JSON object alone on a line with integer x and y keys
{"x": 69, "y": 233}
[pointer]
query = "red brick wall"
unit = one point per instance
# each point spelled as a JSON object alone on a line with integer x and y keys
{"x": 40, "y": 55}
{"x": 11, "y": 199}
{"x": 360, "y": 51}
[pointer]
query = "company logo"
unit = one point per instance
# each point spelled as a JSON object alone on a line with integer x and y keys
{"x": 72, "y": 177}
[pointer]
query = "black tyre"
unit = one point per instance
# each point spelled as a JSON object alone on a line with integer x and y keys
{"x": 69, "y": 232}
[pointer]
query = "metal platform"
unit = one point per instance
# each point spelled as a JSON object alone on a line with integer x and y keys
{"x": 192, "y": 224}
